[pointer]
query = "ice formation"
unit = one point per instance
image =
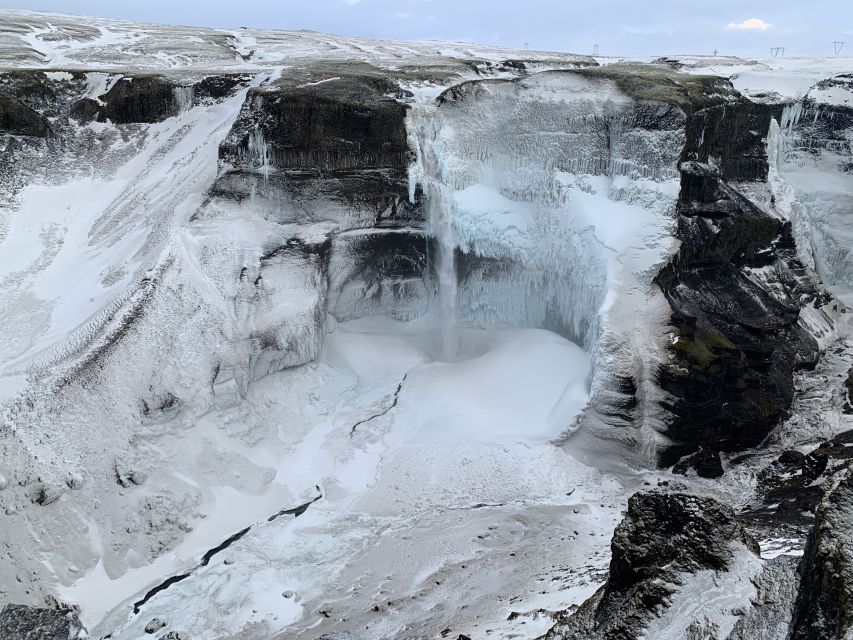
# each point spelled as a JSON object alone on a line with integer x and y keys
{"x": 812, "y": 153}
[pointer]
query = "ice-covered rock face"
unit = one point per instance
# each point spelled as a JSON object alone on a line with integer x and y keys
{"x": 327, "y": 157}
{"x": 812, "y": 149}
{"x": 561, "y": 190}
{"x": 551, "y": 177}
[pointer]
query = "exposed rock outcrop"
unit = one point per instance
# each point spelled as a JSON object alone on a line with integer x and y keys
{"x": 18, "y": 119}
{"x": 147, "y": 99}
{"x": 329, "y": 124}
{"x": 330, "y": 153}
{"x": 737, "y": 342}
{"x": 732, "y": 137}
{"x": 667, "y": 546}
{"x": 140, "y": 98}
{"x": 824, "y": 609}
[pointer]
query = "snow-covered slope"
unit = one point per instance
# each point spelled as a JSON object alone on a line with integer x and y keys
{"x": 56, "y": 41}
{"x": 313, "y": 334}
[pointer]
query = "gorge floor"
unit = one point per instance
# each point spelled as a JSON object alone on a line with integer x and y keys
{"x": 455, "y": 492}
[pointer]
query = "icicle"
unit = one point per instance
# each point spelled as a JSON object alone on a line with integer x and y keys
{"x": 259, "y": 152}
{"x": 791, "y": 116}
{"x": 184, "y": 97}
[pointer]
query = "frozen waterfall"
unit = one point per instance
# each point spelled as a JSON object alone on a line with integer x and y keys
{"x": 428, "y": 172}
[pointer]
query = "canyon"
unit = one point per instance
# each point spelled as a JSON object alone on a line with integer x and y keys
{"x": 309, "y": 336}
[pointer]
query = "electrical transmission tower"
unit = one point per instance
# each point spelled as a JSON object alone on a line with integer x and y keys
{"x": 839, "y": 45}
{"x": 777, "y": 52}
{"x": 595, "y": 49}
{"x": 526, "y": 45}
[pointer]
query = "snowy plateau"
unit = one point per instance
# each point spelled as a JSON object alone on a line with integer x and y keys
{"x": 308, "y": 336}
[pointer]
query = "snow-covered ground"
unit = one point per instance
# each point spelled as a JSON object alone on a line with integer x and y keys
{"x": 431, "y": 477}
{"x": 776, "y": 79}
{"x": 56, "y": 41}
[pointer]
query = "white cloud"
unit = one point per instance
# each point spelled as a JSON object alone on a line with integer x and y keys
{"x": 752, "y": 24}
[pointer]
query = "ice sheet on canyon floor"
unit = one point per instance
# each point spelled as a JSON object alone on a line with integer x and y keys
{"x": 422, "y": 503}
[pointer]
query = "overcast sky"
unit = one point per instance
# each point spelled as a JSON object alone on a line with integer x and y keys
{"x": 619, "y": 27}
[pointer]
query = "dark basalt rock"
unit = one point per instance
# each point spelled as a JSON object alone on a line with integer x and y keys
{"x": 349, "y": 122}
{"x": 332, "y": 145}
{"x": 733, "y": 135}
{"x": 670, "y": 532}
{"x": 792, "y": 457}
{"x": 824, "y": 607}
{"x": 389, "y": 268}
{"x": 18, "y": 119}
{"x": 341, "y": 138}
{"x": 151, "y": 98}
{"x": 825, "y": 126}
{"x": 662, "y": 537}
{"x": 814, "y": 465}
{"x": 707, "y": 464}
{"x": 35, "y": 89}
{"x": 133, "y": 99}
{"x": 85, "y": 110}
{"x": 139, "y": 99}
{"x": 219, "y": 86}
{"x": 20, "y": 622}
{"x": 731, "y": 371}
{"x": 790, "y": 487}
